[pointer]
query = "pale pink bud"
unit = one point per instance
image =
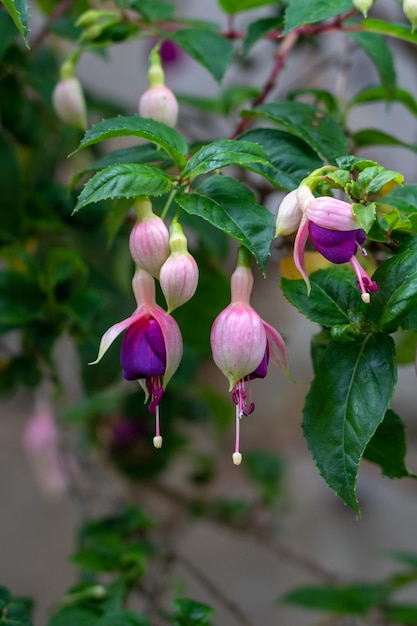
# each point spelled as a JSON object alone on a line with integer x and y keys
{"x": 289, "y": 215}
{"x": 160, "y": 104}
{"x": 69, "y": 103}
{"x": 410, "y": 10}
{"x": 363, "y": 6}
{"x": 179, "y": 274}
{"x": 332, "y": 213}
{"x": 149, "y": 239}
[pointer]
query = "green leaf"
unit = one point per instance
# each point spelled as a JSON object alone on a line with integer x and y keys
{"x": 258, "y": 29}
{"x": 308, "y": 123}
{"x": 387, "y": 447}
{"x": 229, "y": 99}
{"x": 167, "y": 138}
{"x": 347, "y": 401}
{"x": 405, "y": 558}
{"x": 211, "y": 50}
{"x": 72, "y": 615}
{"x": 8, "y": 32}
{"x": 127, "y": 180}
{"x": 378, "y": 51}
{"x": 19, "y": 12}
{"x": 188, "y": 612}
{"x": 397, "y": 291}
{"x": 399, "y": 31}
{"x": 373, "y": 178}
{"x": 152, "y": 10}
{"x": 21, "y": 300}
{"x": 222, "y": 153}
{"x": 334, "y": 299}
{"x": 355, "y": 599}
{"x": 122, "y": 617}
{"x": 292, "y": 159}
{"x": 375, "y": 137}
{"x": 235, "y": 6}
{"x": 364, "y": 214}
{"x": 228, "y": 205}
{"x": 386, "y": 95}
{"x": 301, "y": 12}
{"x": 401, "y": 614}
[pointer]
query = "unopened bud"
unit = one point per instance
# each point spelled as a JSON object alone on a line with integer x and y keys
{"x": 363, "y": 6}
{"x": 69, "y": 103}
{"x": 410, "y": 10}
{"x": 289, "y": 215}
{"x": 160, "y": 104}
{"x": 149, "y": 239}
{"x": 179, "y": 274}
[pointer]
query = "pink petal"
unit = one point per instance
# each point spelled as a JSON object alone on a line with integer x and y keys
{"x": 173, "y": 341}
{"x": 277, "y": 349}
{"x": 299, "y": 245}
{"x": 113, "y": 332}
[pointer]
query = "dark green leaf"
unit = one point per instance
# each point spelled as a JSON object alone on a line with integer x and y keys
{"x": 378, "y": 51}
{"x": 375, "y": 137}
{"x": 347, "y": 401}
{"x": 405, "y": 558}
{"x": 234, "y": 6}
{"x": 211, "y": 50}
{"x": 8, "y": 32}
{"x": 222, "y": 153}
{"x": 122, "y": 617}
{"x": 152, "y": 10}
{"x": 75, "y": 616}
{"x": 387, "y": 447}
{"x": 386, "y": 95}
{"x": 334, "y": 299}
{"x": 19, "y": 12}
{"x": 127, "y": 180}
{"x": 327, "y": 99}
{"x": 399, "y": 31}
{"x": 228, "y": 205}
{"x": 258, "y": 29}
{"x": 188, "y": 612}
{"x": 301, "y": 12}
{"x": 308, "y": 123}
{"x": 401, "y": 614}
{"x": 355, "y": 599}
{"x": 21, "y": 300}
{"x": 292, "y": 159}
{"x": 126, "y": 126}
{"x": 397, "y": 290}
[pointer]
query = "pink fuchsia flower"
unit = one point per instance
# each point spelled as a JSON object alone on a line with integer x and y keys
{"x": 158, "y": 102}
{"x": 335, "y": 233}
{"x": 243, "y": 344}
{"x": 152, "y": 346}
{"x": 149, "y": 238}
{"x": 179, "y": 274}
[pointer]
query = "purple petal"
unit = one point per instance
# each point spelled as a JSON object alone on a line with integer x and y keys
{"x": 335, "y": 245}
{"x": 262, "y": 369}
{"x": 143, "y": 352}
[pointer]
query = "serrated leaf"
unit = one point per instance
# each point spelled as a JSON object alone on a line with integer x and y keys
{"x": 355, "y": 599}
{"x": 375, "y": 137}
{"x": 258, "y": 29}
{"x": 230, "y": 206}
{"x": 307, "y": 122}
{"x": 222, "y": 153}
{"x": 211, "y": 50}
{"x": 386, "y": 95}
{"x": 301, "y": 12}
{"x": 127, "y": 180}
{"x": 334, "y": 299}
{"x": 377, "y": 50}
{"x": 292, "y": 159}
{"x": 347, "y": 401}
{"x": 387, "y": 447}
{"x": 397, "y": 291}
{"x": 19, "y": 12}
{"x": 399, "y": 31}
{"x": 235, "y": 6}
{"x": 167, "y": 138}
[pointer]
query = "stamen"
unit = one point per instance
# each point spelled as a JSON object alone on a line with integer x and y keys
{"x": 365, "y": 283}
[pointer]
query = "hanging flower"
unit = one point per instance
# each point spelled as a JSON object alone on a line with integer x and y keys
{"x": 243, "y": 344}
{"x": 158, "y": 102}
{"x": 152, "y": 346}
{"x": 149, "y": 238}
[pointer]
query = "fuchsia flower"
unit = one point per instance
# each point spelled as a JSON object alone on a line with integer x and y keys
{"x": 149, "y": 238}
{"x": 242, "y": 344}
{"x": 152, "y": 346}
{"x": 333, "y": 230}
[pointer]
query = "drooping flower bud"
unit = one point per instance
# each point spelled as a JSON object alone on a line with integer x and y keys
{"x": 158, "y": 102}
{"x": 149, "y": 238}
{"x": 69, "y": 103}
{"x": 410, "y": 10}
{"x": 289, "y": 215}
{"x": 179, "y": 274}
{"x": 363, "y": 6}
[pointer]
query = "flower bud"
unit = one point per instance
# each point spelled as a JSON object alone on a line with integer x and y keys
{"x": 69, "y": 103}
{"x": 410, "y": 10}
{"x": 160, "y": 104}
{"x": 363, "y": 6}
{"x": 289, "y": 215}
{"x": 179, "y": 274}
{"x": 149, "y": 239}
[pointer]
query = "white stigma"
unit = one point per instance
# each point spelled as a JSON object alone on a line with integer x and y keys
{"x": 237, "y": 458}
{"x": 157, "y": 441}
{"x": 366, "y": 298}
